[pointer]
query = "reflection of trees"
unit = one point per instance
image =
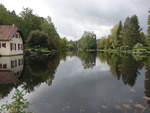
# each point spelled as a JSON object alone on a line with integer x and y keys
{"x": 147, "y": 80}
{"x": 39, "y": 69}
{"x": 124, "y": 67}
{"x": 88, "y": 59}
{"x": 5, "y": 89}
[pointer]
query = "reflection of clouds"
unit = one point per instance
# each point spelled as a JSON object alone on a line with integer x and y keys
{"x": 93, "y": 90}
{"x": 74, "y": 67}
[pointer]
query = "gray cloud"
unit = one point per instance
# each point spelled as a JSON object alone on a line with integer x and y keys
{"x": 73, "y": 17}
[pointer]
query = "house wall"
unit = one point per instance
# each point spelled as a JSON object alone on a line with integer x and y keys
{"x": 16, "y": 41}
{"x": 6, "y": 51}
{"x": 13, "y": 64}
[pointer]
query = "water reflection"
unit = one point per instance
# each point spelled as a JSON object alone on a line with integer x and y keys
{"x": 10, "y": 70}
{"x": 37, "y": 70}
{"x": 147, "y": 81}
{"x": 88, "y": 59}
{"x": 124, "y": 67}
{"x": 74, "y": 89}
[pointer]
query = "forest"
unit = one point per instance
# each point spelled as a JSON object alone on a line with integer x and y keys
{"x": 40, "y": 34}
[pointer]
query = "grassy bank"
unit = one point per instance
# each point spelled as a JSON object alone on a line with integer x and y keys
{"x": 40, "y": 51}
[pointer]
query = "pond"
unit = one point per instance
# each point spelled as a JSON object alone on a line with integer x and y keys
{"x": 79, "y": 82}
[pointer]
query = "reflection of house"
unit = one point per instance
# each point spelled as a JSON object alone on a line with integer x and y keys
{"x": 10, "y": 68}
{"x": 10, "y": 41}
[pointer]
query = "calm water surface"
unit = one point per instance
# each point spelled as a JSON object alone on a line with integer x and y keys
{"x": 81, "y": 83}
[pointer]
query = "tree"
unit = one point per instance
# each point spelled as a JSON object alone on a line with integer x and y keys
{"x": 37, "y": 39}
{"x": 148, "y": 31}
{"x": 88, "y": 41}
{"x": 63, "y": 43}
{"x": 131, "y": 32}
{"x": 30, "y": 22}
{"x": 48, "y": 27}
{"x": 9, "y": 18}
{"x": 118, "y": 38}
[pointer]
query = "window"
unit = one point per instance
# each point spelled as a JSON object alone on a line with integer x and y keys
{"x": 11, "y": 46}
{"x": 15, "y": 46}
{"x": 12, "y": 64}
{"x": 0, "y": 65}
{"x": 4, "y": 66}
{"x": 4, "y": 45}
{"x": 18, "y": 46}
{"x": 15, "y": 63}
{"x": 0, "y": 45}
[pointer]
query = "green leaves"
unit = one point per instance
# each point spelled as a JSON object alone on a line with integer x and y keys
{"x": 123, "y": 37}
{"x": 18, "y": 104}
{"x": 88, "y": 41}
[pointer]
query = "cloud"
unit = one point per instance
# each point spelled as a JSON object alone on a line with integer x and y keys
{"x": 73, "y": 17}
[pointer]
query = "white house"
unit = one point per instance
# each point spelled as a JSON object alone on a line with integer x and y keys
{"x": 11, "y": 42}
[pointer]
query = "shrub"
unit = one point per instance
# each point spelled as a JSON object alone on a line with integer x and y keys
{"x": 18, "y": 104}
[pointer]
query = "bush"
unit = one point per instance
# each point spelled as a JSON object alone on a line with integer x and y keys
{"x": 124, "y": 48}
{"x": 140, "y": 50}
{"x": 18, "y": 104}
{"x": 138, "y": 46}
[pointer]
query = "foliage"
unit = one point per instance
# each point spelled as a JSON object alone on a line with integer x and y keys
{"x": 72, "y": 45}
{"x": 103, "y": 43}
{"x": 123, "y": 37}
{"x": 118, "y": 38}
{"x": 18, "y": 104}
{"x": 37, "y": 39}
{"x": 148, "y": 31}
{"x": 28, "y": 22}
{"x": 88, "y": 41}
{"x": 63, "y": 43}
{"x": 138, "y": 45}
{"x": 131, "y": 31}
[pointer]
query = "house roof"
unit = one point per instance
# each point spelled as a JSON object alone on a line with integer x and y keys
{"x": 7, "y": 31}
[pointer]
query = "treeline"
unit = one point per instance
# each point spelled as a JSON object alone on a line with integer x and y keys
{"x": 126, "y": 36}
{"x": 37, "y": 32}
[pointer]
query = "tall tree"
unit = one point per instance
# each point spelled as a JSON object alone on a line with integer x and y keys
{"x": 131, "y": 32}
{"x": 30, "y": 22}
{"x": 148, "y": 31}
{"x": 118, "y": 38}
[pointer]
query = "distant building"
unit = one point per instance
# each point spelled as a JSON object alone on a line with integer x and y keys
{"x": 11, "y": 42}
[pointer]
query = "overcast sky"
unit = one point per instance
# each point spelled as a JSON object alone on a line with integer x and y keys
{"x": 73, "y": 17}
